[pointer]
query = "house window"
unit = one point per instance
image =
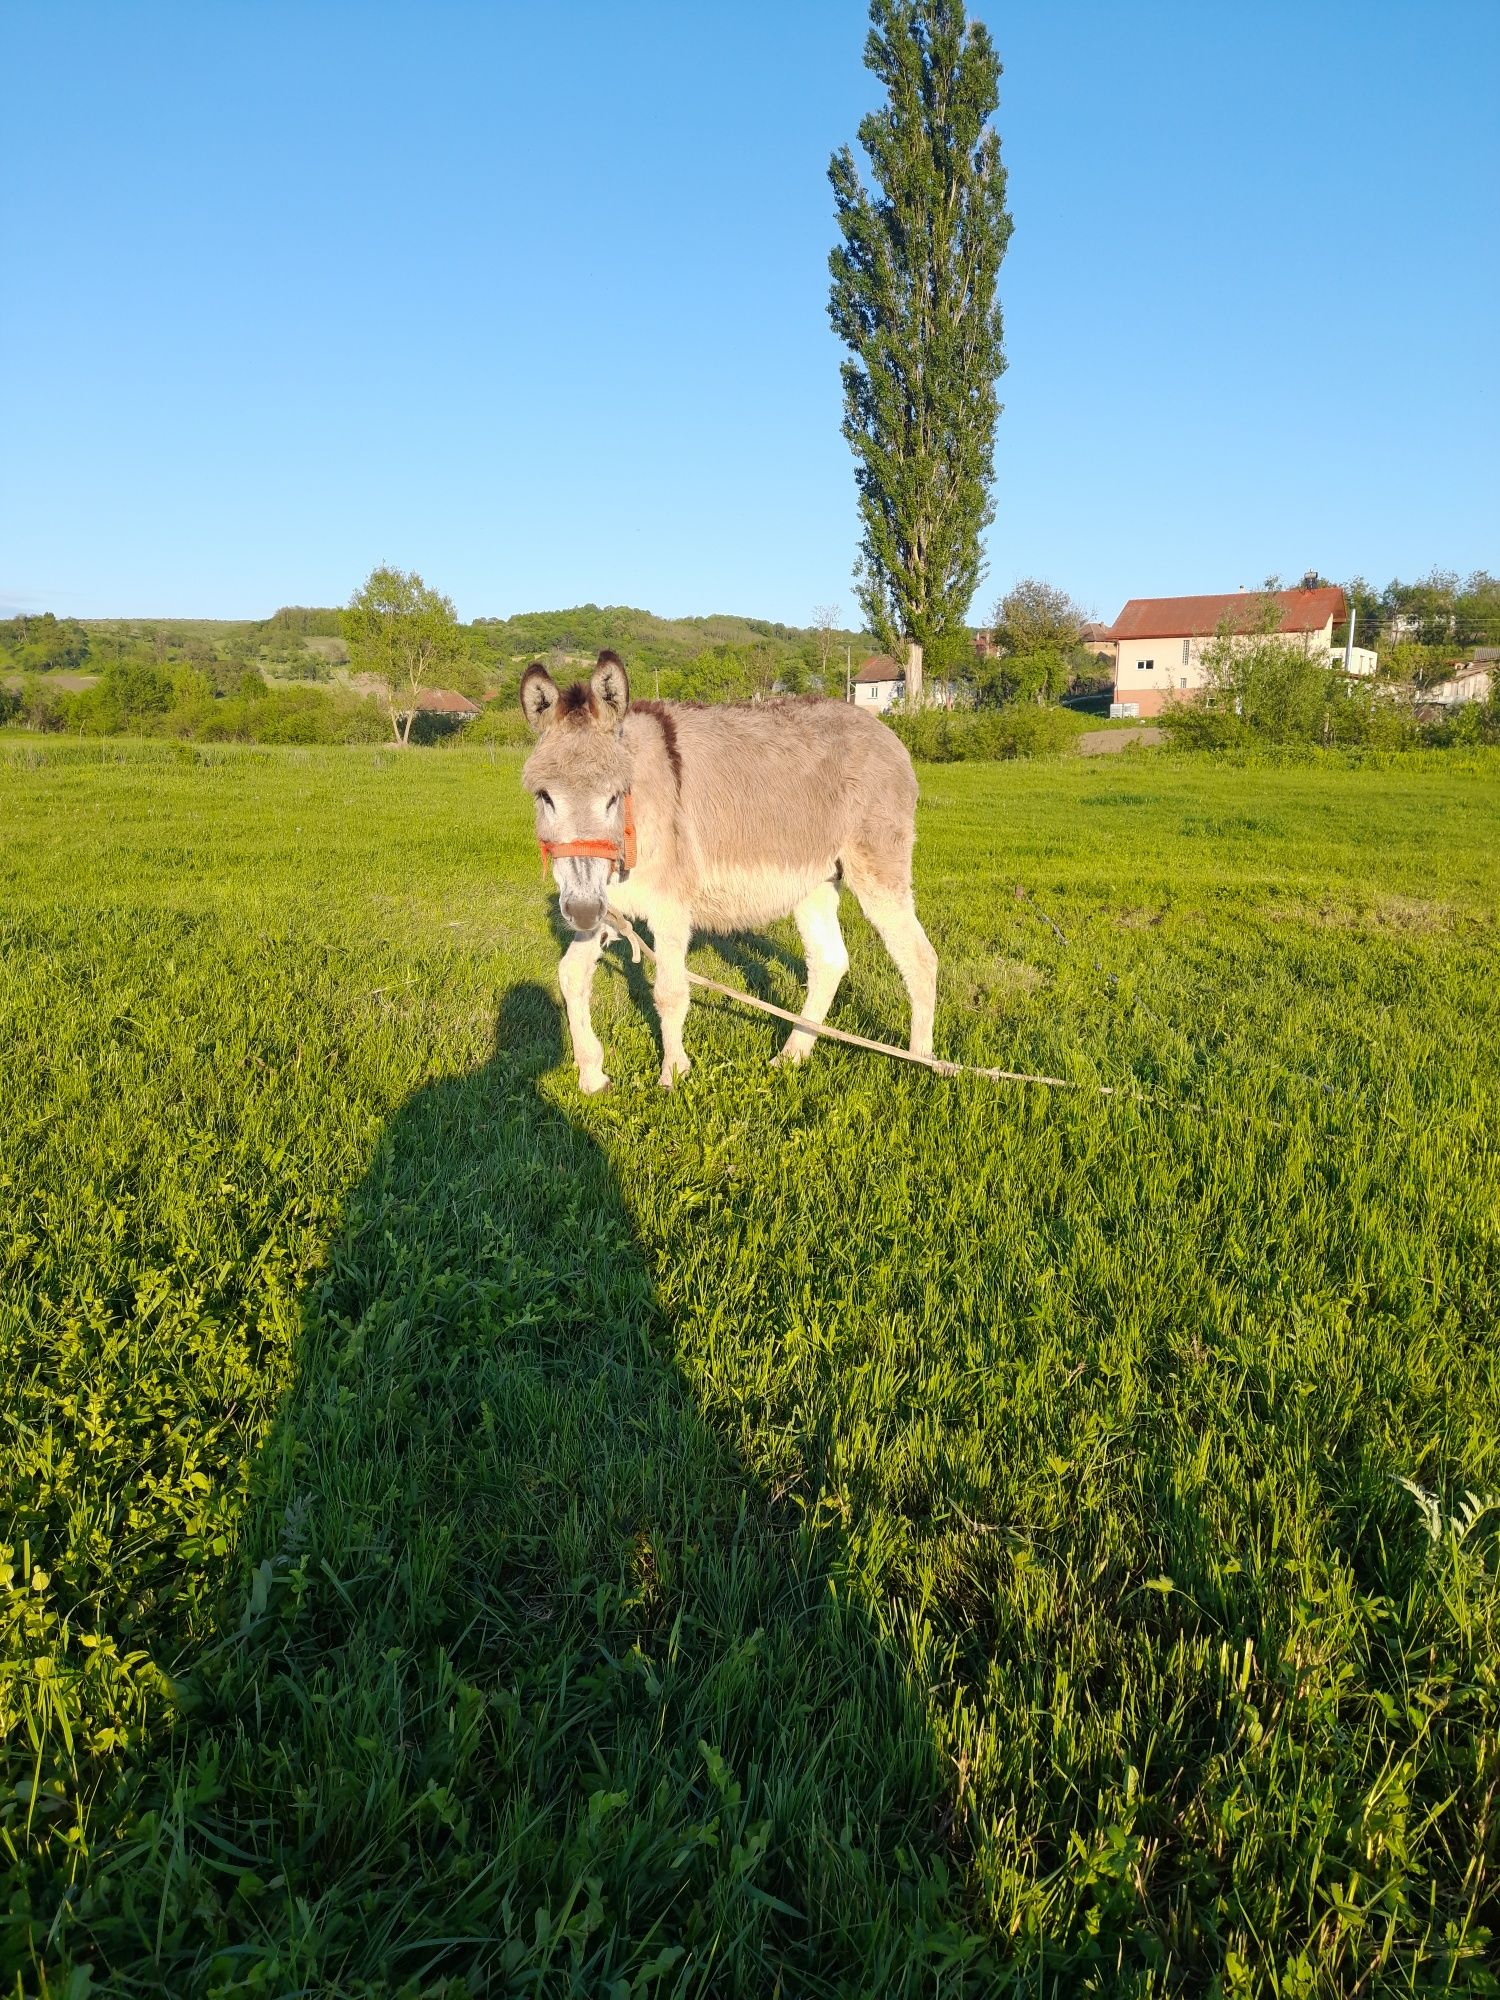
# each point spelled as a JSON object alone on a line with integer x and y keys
{"x": 1148, "y": 665}
{"x": 1183, "y": 681}
{"x": 1185, "y": 652}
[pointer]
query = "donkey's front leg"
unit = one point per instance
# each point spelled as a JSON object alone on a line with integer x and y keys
{"x": 575, "y": 975}
{"x": 671, "y": 996}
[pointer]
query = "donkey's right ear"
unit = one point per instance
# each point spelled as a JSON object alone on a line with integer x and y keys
{"x": 538, "y": 696}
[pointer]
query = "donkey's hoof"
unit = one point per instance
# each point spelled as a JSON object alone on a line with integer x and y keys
{"x": 793, "y": 1051}
{"x": 592, "y": 1081}
{"x": 670, "y": 1071}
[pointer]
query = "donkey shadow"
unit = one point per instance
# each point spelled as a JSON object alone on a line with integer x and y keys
{"x": 534, "y": 1681}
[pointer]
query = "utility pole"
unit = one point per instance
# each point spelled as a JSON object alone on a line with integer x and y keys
{"x": 1349, "y": 642}
{"x": 848, "y": 682}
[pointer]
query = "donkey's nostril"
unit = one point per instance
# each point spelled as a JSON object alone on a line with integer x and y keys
{"x": 583, "y": 914}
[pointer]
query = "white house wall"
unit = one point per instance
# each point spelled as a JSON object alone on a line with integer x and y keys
{"x": 1178, "y": 667}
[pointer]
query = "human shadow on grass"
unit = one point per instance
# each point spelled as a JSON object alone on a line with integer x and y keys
{"x": 534, "y": 1688}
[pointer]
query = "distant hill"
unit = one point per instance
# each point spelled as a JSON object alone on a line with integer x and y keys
{"x": 713, "y": 658}
{"x": 641, "y": 637}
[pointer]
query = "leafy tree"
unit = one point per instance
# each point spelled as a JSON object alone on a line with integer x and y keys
{"x": 1426, "y": 611}
{"x": 1477, "y": 610}
{"x": 1035, "y": 632}
{"x": 40, "y": 642}
{"x": 404, "y": 634}
{"x": 914, "y": 299}
{"x": 1034, "y": 616}
{"x": 1365, "y": 603}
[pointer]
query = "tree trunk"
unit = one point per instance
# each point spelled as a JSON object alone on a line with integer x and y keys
{"x": 913, "y": 674}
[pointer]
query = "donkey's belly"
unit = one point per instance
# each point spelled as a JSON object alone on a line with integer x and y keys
{"x": 752, "y": 897}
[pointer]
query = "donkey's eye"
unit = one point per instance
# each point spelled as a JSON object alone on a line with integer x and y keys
{"x": 546, "y": 799}
{"x": 614, "y": 800}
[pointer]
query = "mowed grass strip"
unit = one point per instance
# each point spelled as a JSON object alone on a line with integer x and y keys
{"x": 845, "y": 1529}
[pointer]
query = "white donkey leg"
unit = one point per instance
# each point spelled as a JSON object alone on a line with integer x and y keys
{"x": 817, "y": 918}
{"x": 671, "y": 996}
{"x": 575, "y": 975}
{"x": 894, "y": 915}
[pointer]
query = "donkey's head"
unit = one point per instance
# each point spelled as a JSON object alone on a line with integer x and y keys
{"x": 579, "y": 774}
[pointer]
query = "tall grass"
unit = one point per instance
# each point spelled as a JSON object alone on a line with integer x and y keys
{"x": 840, "y": 1530}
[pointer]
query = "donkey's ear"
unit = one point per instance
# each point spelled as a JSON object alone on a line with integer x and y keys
{"x": 610, "y": 686}
{"x": 538, "y": 696}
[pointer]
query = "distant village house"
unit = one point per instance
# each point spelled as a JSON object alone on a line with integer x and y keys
{"x": 1468, "y": 680}
{"x": 1160, "y": 642}
{"x": 881, "y": 681}
{"x": 1094, "y": 638}
{"x": 443, "y": 701}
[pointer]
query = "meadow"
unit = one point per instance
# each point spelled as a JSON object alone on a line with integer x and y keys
{"x": 838, "y": 1532}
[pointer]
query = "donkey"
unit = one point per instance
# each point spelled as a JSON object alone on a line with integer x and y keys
{"x": 720, "y": 819}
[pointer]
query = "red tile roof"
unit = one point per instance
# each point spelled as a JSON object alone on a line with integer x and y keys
{"x": 444, "y": 701}
{"x": 879, "y": 667}
{"x": 1200, "y": 617}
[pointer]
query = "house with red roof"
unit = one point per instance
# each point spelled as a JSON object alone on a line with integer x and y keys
{"x": 1160, "y": 642}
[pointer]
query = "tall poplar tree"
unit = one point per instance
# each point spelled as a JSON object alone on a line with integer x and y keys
{"x": 914, "y": 300}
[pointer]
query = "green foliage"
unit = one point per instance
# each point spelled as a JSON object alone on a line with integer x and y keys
{"x": 952, "y": 736}
{"x": 301, "y": 621}
{"x": 1263, "y": 688}
{"x": 848, "y": 1529}
{"x": 38, "y": 642}
{"x": 914, "y": 300}
{"x": 714, "y": 658}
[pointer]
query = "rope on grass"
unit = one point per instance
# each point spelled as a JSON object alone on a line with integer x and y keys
{"x": 622, "y": 930}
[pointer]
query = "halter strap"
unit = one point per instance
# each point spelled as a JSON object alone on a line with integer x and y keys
{"x": 621, "y": 852}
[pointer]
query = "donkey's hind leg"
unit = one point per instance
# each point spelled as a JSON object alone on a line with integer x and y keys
{"x": 886, "y": 899}
{"x": 673, "y": 934}
{"x": 817, "y": 918}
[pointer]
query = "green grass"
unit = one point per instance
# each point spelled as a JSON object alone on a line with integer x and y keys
{"x": 832, "y": 1533}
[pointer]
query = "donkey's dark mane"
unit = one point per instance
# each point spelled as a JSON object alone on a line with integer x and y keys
{"x": 659, "y": 712}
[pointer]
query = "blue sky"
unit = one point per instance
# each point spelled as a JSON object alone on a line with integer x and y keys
{"x": 532, "y": 299}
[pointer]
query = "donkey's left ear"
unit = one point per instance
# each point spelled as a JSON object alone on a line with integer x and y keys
{"x": 538, "y": 697}
{"x": 610, "y": 686}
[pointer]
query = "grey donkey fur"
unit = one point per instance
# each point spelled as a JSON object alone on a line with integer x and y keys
{"x": 743, "y": 813}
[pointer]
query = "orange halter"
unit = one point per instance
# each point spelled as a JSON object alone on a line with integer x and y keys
{"x": 621, "y": 852}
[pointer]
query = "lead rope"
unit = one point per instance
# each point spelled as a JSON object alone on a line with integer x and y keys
{"x": 617, "y": 927}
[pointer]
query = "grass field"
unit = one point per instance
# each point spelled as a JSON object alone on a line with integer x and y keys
{"x": 841, "y": 1532}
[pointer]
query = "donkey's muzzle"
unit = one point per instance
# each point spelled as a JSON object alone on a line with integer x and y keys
{"x": 582, "y": 913}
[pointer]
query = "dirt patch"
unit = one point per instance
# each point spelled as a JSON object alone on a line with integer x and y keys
{"x": 1388, "y": 912}
{"x": 975, "y": 983}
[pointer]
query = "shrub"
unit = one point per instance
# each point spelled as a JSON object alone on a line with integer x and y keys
{"x": 952, "y": 736}
{"x": 500, "y": 722}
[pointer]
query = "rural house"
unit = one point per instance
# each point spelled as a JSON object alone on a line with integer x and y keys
{"x": 880, "y": 681}
{"x": 1094, "y": 638}
{"x": 1468, "y": 680}
{"x": 1160, "y": 641}
{"x": 442, "y": 701}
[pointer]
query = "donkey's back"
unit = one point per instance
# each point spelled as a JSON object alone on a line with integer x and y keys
{"x": 776, "y": 797}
